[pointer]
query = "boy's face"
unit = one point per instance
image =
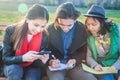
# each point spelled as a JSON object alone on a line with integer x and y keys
{"x": 66, "y": 24}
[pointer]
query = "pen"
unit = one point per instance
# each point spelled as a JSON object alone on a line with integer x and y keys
{"x": 53, "y": 57}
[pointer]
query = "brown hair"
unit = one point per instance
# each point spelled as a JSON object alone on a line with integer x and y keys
{"x": 104, "y": 24}
{"x": 66, "y": 11}
{"x": 21, "y": 28}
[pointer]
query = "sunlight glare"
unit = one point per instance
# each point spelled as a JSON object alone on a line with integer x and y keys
{"x": 22, "y": 8}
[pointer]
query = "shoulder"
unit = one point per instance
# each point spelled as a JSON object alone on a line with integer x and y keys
{"x": 51, "y": 28}
{"x": 80, "y": 27}
{"x": 9, "y": 29}
{"x": 114, "y": 28}
{"x": 115, "y": 25}
{"x": 45, "y": 34}
{"x": 80, "y": 24}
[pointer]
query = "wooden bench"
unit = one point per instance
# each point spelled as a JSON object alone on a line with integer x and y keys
{"x": 3, "y": 26}
{"x": 2, "y": 29}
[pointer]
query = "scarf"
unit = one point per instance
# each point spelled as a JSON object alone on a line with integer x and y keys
{"x": 33, "y": 45}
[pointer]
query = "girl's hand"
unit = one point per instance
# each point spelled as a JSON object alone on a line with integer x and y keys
{"x": 118, "y": 78}
{"x": 71, "y": 61}
{"x": 98, "y": 68}
{"x": 54, "y": 63}
{"x": 30, "y": 56}
{"x": 44, "y": 58}
{"x": 112, "y": 68}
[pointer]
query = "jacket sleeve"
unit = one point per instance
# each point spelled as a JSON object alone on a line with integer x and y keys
{"x": 117, "y": 63}
{"x": 8, "y": 55}
{"x": 91, "y": 62}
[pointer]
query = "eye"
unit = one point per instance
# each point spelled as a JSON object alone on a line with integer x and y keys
{"x": 36, "y": 25}
{"x": 61, "y": 24}
{"x": 43, "y": 26}
{"x": 94, "y": 24}
{"x": 87, "y": 24}
{"x": 69, "y": 25}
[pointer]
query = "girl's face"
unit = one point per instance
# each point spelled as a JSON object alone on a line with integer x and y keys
{"x": 35, "y": 26}
{"x": 93, "y": 25}
{"x": 66, "y": 24}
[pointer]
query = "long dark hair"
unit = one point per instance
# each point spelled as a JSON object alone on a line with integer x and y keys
{"x": 66, "y": 11}
{"x": 21, "y": 28}
{"x": 104, "y": 25}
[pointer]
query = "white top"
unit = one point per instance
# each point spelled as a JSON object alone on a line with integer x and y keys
{"x": 29, "y": 37}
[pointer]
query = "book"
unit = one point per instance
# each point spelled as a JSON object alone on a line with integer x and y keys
{"x": 61, "y": 67}
{"x": 91, "y": 70}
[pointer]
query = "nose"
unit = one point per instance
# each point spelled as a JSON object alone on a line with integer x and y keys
{"x": 91, "y": 27}
{"x": 38, "y": 30}
{"x": 66, "y": 29}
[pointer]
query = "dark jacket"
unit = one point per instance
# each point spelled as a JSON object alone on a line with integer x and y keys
{"x": 78, "y": 47}
{"x": 9, "y": 57}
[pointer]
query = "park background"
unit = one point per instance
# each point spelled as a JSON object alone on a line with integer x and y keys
{"x": 12, "y": 11}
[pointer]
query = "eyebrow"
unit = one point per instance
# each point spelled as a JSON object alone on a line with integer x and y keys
{"x": 65, "y": 25}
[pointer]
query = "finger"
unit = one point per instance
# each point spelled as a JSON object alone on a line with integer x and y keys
{"x": 100, "y": 68}
{"x": 33, "y": 52}
{"x": 37, "y": 56}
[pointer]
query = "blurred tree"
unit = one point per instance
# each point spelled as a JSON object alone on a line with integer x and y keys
{"x": 61, "y": 1}
{"x": 112, "y": 4}
{"x": 79, "y": 3}
{"x": 100, "y": 2}
{"x": 115, "y": 4}
{"x": 90, "y": 2}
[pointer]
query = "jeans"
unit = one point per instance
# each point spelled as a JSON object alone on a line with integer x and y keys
{"x": 16, "y": 72}
{"x": 72, "y": 74}
{"x": 118, "y": 74}
{"x": 106, "y": 77}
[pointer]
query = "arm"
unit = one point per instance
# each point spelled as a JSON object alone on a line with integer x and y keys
{"x": 90, "y": 59}
{"x": 117, "y": 63}
{"x": 8, "y": 52}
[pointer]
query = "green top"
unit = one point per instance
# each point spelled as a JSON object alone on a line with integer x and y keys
{"x": 113, "y": 54}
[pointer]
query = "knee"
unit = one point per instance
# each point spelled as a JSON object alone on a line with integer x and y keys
{"x": 13, "y": 71}
{"x": 33, "y": 74}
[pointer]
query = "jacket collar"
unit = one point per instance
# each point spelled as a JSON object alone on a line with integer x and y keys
{"x": 79, "y": 38}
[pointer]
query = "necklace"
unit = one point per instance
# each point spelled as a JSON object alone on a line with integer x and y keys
{"x": 102, "y": 41}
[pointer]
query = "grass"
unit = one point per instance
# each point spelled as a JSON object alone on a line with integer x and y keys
{"x": 9, "y": 13}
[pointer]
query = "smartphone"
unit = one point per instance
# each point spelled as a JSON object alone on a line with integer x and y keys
{"x": 44, "y": 52}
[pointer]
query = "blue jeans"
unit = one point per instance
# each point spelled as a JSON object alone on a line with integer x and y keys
{"x": 106, "y": 77}
{"x": 16, "y": 72}
{"x": 118, "y": 74}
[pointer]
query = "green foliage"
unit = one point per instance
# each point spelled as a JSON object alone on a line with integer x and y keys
{"x": 10, "y": 14}
{"x": 112, "y": 4}
{"x": 90, "y": 2}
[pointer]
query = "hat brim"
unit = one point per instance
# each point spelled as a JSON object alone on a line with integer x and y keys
{"x": 92, "y": 15}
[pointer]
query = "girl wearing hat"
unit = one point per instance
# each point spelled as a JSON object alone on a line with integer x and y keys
{"x": 21, "y": 44}
{"x": 103, "y": 40}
